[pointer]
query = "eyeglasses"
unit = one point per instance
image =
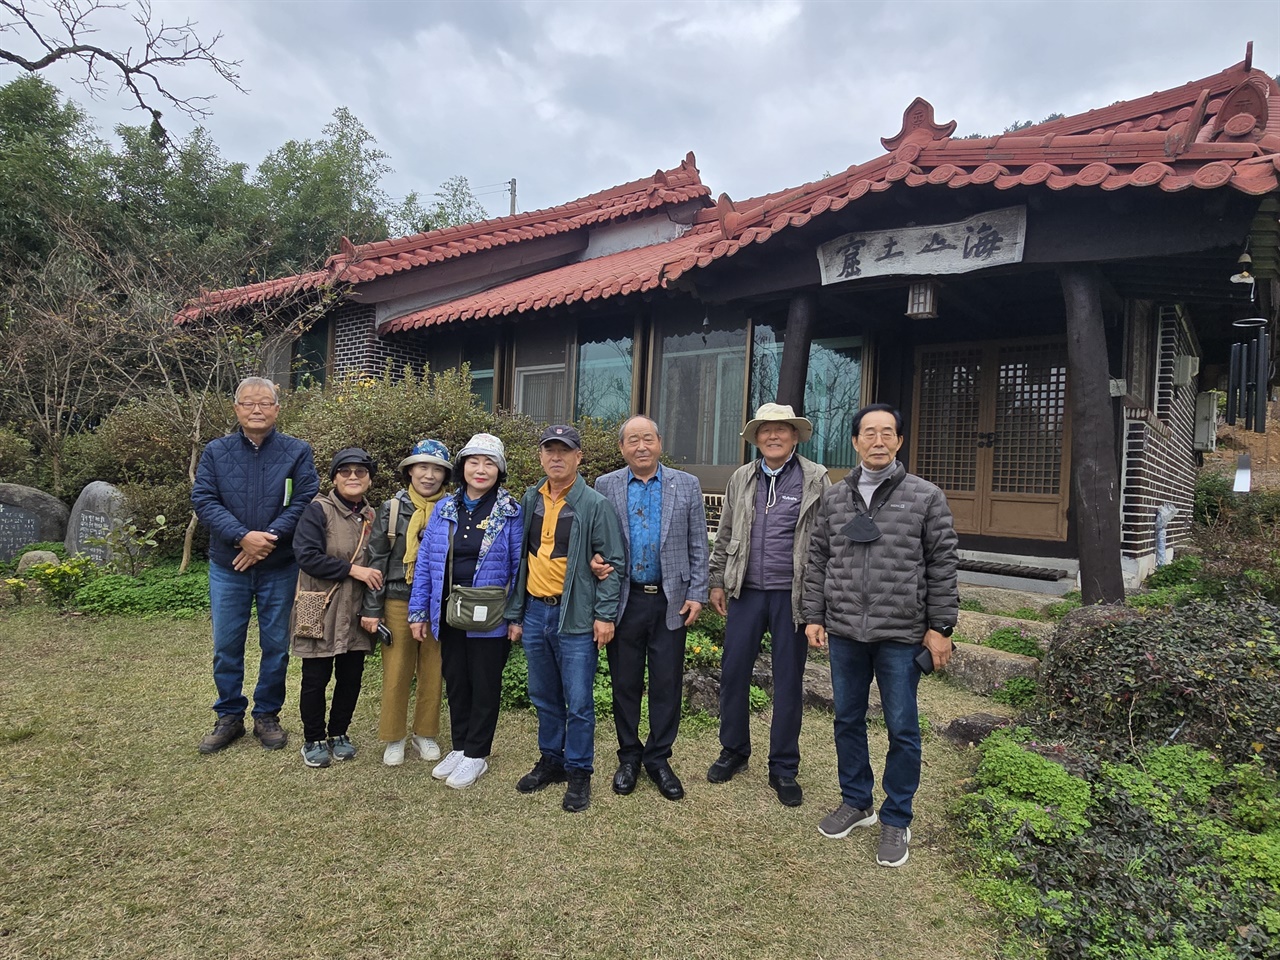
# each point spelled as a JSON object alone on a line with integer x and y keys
{"x": 358, "y": 472}
{"x": 256, "y": 404}
{"x": 888, "y": 433}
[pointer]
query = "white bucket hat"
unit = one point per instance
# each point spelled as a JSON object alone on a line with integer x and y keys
{"x": 776, "y": 413}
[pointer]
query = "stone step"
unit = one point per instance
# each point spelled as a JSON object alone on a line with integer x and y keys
{"x": 984, "y": 670}
{"x": 976, "y": 627}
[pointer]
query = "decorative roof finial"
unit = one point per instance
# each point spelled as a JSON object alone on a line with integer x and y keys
{"x": 918, "y": 126}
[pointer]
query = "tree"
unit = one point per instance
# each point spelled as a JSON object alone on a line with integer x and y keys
{"x": 141, "y": 74}
{"x": 322, "y": 190}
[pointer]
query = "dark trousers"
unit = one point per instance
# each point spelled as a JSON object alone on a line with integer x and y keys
{"x": 472, "y": 668}
{"x": 750, "y": 615}
{"x": 643, "y": 635}
{"x": 348, "y": 670}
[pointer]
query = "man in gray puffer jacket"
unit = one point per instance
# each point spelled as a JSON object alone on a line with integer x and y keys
{"x": 880, "y": 591}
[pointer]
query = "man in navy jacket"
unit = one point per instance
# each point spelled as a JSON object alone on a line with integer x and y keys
{"x": 251, "y": 487}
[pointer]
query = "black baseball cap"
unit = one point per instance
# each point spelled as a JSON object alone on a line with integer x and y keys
{"x": 564, "y": 433}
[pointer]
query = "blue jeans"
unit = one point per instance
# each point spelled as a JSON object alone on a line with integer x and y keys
{"x": 232, "y": 595}
{"x": 562, "y": 673}
{"x": 852, "y": 666}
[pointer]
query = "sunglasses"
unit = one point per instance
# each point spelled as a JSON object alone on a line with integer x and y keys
{"x": 358, "y": 472}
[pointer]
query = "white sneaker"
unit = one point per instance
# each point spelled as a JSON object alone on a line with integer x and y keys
{"x": 467, "y": 772}
{"x": 393, "y": 756}
{"x": 427, "y": 748}
{"x": 448, "y": 765}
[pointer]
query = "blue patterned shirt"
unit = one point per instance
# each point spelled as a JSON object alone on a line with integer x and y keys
{"x": 644, "y": 519}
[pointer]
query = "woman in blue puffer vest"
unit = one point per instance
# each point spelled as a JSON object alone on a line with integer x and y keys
{"x": 482, "y": 524}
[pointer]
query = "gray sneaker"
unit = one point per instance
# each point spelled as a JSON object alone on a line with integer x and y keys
{"x": 893, "y": 851}
{"x": 342, "y": 748}
{"x": 837, "y": 824}
{"x": 315, "y": 753}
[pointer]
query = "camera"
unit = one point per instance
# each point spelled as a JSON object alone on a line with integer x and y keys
{"x": 384, "y": 634}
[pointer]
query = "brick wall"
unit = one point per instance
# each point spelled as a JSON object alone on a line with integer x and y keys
{"x": 1159, "y": 463}
{"x": 356, "y": 347}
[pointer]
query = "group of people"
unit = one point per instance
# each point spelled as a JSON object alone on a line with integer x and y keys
{"x": 453, "y": 570}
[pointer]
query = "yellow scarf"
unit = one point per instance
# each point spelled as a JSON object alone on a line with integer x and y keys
{"x": 417, "y": 523}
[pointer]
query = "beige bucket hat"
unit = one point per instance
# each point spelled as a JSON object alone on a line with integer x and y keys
{"x": 776, "y": 413}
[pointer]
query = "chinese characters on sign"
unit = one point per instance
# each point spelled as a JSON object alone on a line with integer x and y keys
{"x": 986, "y": 240}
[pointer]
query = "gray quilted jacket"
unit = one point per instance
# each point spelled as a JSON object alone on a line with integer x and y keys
{"x": 890, "y": 589}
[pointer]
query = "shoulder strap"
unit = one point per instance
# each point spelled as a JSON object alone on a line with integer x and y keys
{"x": 393, "y": 520}
{"x": 364, "y": 532}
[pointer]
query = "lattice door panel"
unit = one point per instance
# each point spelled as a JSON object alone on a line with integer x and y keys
{"x": 947, "y": 417}
{"x": 1030, "y": 419}
{"x": 990, "y": 429}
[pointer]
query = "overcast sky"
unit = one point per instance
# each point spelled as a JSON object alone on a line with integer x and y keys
{"x": 574, "y": 97}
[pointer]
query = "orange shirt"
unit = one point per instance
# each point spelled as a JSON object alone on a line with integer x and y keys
{"x": 549, "y": 555}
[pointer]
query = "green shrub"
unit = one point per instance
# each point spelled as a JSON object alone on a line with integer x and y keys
{"x": 1205, "y": 674}
{"x": 171, "y": 500}
{"x": 59, "y": 582}
{"x": 972, "y": 605}
{"x": 1180, "y": 571}
{"x": 161, "y": 590}
{"x": 56, "y": 547}
{"x": 1131, "y": 862}
{"x": 1016, "y": 692}
{"x": 700, "y": 650}
{"x": 1027, "y": 613}
{"x": 515, "y": 681}
{"x": 1013, "y": 640}
{"x": 757, "y": 699}
{"x": 1213, "y": 496}
{"x": 1070, "y": 601}
{"x": 17, "y": 458}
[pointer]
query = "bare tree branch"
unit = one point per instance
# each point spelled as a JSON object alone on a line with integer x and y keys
{"x": 141, "y": 74}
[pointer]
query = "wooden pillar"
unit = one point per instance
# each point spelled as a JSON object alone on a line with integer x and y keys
{"x": 1095, "y": 472}
{"x": 795, "y": 351}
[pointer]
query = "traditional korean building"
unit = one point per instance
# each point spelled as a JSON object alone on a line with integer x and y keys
{"x": 1045, "y": 307}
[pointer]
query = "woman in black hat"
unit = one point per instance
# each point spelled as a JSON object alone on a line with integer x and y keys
{"x": 332, "y": 543}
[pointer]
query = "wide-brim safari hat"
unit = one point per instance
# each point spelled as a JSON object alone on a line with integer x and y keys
{"x": 777, "y": 413}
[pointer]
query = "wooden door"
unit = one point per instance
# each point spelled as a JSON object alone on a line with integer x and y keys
{"x": 990, "y": 429}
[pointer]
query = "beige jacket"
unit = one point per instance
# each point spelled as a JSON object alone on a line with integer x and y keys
{"x": 342, "y": 632}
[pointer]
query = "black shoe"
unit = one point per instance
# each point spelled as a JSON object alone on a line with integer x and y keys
{"x": 544, "y": 772}
{"x": 226, "y": 731}
{"x": 624, "y": 781}
{"x": 578, "y": 796}
{"x": 789, "y": 792}
{"x": 729, "y": 763}
{"x": 668, "y": 783}
{"x": 269, "y": 732}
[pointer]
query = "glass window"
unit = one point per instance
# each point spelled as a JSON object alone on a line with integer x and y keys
{"x": 311, "y": 356}
{"x": 832, "y": 393}
{"x": 603, "y": 389}
{"x": 700, "y": 389}
{"x": 541, "y": 381}
{"x": 448, "y": 351}
{"x": 479, "y": 352}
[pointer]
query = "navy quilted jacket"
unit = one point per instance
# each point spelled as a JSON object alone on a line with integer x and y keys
{"x": 240, "y": 488}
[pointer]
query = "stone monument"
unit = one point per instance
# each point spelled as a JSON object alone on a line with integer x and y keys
{"x": 99, "y": 507}
{"x": 28, "y": 515}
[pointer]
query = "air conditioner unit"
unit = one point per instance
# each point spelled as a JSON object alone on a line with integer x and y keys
{"x": 1206, "y": 432}
{"x": 1185, "y": 368}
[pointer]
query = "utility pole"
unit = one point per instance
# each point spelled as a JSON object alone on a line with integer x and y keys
{"x": 512, "y": 185}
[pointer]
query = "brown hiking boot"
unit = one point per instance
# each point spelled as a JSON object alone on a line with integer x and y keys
{"x": 226, "y": 731}
{"x": 269, "y": 732}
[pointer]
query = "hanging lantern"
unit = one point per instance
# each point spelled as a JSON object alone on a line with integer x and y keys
{"x": 922, "y": 300}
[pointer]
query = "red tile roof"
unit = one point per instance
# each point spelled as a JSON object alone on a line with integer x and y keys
{"x": 357, "y": 264}
{"x": 1223, "y": 130}
{"x": 629, "y": 271}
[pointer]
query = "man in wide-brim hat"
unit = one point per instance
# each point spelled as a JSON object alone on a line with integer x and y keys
{"x": 757, "y": 573}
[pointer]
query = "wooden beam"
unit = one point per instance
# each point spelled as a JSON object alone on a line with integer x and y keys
{"x": 1095, "y": 472}
{"x": 794, "y": 369}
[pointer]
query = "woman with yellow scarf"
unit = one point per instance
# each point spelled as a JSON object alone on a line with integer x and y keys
{"x": 393, "y": 549}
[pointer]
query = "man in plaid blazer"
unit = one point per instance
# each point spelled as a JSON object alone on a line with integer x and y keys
{"x": 664, "y": 587}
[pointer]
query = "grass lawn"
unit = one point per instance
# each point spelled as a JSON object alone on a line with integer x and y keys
{"x": 118, "y": 840}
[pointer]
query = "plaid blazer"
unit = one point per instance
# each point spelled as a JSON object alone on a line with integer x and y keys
{"x": 684, "y": 538}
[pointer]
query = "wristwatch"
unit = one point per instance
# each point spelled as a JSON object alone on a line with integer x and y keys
{"x": 943, "y": 628}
